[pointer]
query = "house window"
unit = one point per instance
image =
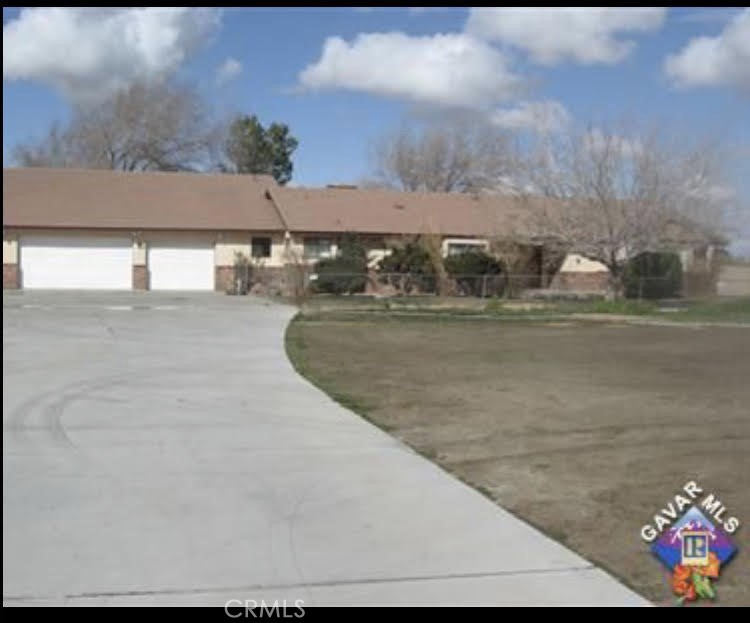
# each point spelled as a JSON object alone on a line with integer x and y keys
{"x": 261, "y": 247}
{"x": 316, "y": 248}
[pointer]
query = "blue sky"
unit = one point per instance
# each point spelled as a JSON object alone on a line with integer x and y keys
{"x": 341, "y": 77}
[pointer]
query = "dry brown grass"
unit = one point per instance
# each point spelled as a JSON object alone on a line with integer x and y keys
{"x": 584, "y": 430}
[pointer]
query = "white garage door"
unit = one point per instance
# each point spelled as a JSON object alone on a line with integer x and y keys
{"x": 181, "y": 267}
{"x": 76, "y": 262}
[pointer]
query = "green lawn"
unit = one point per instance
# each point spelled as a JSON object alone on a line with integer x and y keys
{"x": 729, "y": 310}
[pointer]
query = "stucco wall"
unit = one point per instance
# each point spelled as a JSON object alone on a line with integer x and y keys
{"x": 181, "y": 237}
{"x": 140, "y": 252}
{"x": 228, "y": 245}
{"x": 278, "y": 248}
{"x": 10, "y": 250}
{"x": 20, "y": 234}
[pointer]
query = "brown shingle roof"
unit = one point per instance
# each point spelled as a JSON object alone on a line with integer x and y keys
{"x": 390, "y": 212}
{"x": 100, "y": 199}
{"x": 74, "y": 198}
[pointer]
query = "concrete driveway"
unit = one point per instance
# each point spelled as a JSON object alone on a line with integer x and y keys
{"x": 161, "y": 449}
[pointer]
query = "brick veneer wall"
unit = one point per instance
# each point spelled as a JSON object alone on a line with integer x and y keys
{"x": 11, "y": 277}
{"x": 264, "y": 280}
{"x": 223, "y": 278}
{"x": 582, "y": 282}
{"x": 140, "y": 277}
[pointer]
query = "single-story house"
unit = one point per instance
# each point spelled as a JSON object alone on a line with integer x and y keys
{"x": 102, "y": 229}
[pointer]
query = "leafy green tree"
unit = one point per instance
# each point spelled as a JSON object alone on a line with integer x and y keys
{"x": 252, "y": 148}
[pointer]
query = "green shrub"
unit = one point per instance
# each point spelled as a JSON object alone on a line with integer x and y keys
{"x": 351, "y": 248}
{"x": 476, "y": 273}
{"x": 653, "y": 276}
{"x": 408, "y": 267}
{"x": 339, "y": 276}
{"x": 410, "y": 257}
{"x": 347, "y": 272}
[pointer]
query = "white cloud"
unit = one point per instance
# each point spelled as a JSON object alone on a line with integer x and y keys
{"x": 715, "y": 61}
{"x": 432, "y": 10}
{"x": 552, "y": 35}
{"x": 445, "y": 69}
{"x": 228, "y": 71}
{"x": 543, "y": 117}
{"x": 88, "y": 53}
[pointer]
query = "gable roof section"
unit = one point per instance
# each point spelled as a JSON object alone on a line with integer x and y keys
{"x": 103, "y": 199}
{"x": 389, "y": 212}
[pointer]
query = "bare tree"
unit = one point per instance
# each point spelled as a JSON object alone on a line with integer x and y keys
{"x": 432, "y": 245}
{"x": 451, "y": 157}
{"x": 55, "y": 150}
{"x": 145, "y": 127}
{"x": 618, "y": 195}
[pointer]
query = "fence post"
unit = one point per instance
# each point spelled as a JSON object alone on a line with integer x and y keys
{"x": 484, "y": 286}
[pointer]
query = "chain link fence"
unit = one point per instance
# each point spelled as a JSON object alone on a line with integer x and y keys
{"x": 501, "y": 285}
{"x": 303, "y": 281}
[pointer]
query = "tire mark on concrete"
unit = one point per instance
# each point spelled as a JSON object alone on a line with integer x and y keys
{"x": 49, "y": 407}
